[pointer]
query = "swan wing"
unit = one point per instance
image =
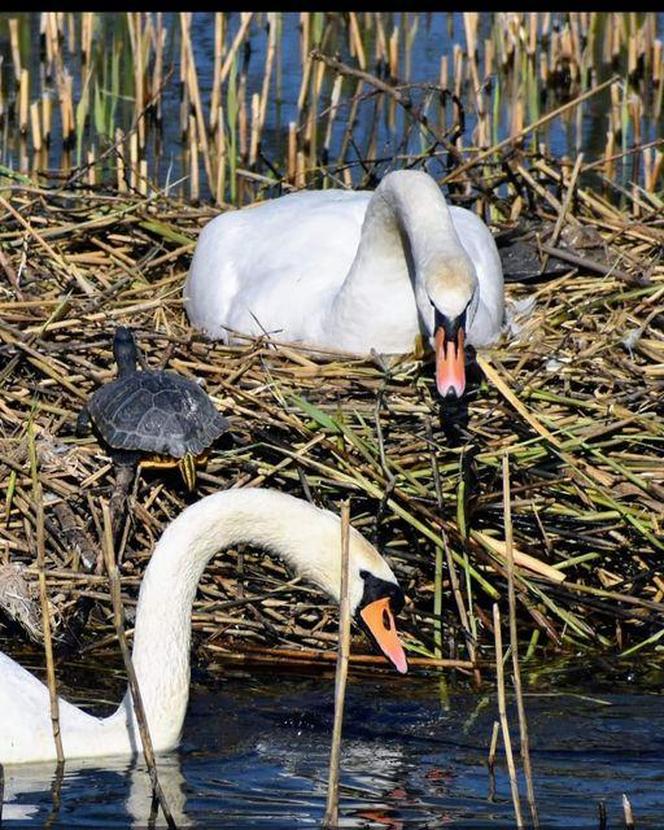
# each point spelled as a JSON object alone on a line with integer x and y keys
{"x": 275, "y": 267}
{"x": 480, "y": 246}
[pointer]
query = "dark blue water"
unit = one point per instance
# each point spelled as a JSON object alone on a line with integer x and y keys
{"x": 255, "y": 755}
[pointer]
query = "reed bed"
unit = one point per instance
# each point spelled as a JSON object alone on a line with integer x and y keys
{"x": 571, "y": 395}
{"x": 130, "y": 99}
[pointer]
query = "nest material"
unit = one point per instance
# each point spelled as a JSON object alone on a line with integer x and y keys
{"x": 572, "y": 394}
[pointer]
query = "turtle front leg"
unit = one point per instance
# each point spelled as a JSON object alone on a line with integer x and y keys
{"x": 187, "y": 466}
{"x": 124, "y": 465}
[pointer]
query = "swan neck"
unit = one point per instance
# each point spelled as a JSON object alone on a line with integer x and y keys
{"x": 162, "y": 635}
{"x": 407, "y": 233}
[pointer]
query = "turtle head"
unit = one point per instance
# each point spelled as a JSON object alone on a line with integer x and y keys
{"x": 125, "y": 351}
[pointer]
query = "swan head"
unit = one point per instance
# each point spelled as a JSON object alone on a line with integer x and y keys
{"x": 452, "y": 298}
{"x": 312, "y": 546}
{"x": 374, "y": 614}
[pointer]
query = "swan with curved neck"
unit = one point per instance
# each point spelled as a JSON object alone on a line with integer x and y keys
{"x": 354, "y": 271}
{"x": 306, "y": 537}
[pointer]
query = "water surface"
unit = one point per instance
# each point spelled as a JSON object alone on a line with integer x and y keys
{"x": 255, "y": 755}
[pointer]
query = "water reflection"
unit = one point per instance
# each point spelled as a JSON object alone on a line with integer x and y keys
{"x": 91, "y": 794}
{"x": 255, "y": 755}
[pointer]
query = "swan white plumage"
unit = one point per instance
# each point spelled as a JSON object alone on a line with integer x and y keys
{"x": 306, "y": 537}
{"x": 353, "y": 271}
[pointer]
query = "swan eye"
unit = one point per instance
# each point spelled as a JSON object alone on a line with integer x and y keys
{"x": 377, "y": 588}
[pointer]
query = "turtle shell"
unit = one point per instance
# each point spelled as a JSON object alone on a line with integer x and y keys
{"x": 156, "y": 412}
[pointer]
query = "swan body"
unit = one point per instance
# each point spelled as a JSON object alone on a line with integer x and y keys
{"x": 306, "y": 537}
{"x": 354, "y": 271}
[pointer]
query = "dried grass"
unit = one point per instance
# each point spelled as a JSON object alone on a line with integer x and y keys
{"x": 573, "y": 396}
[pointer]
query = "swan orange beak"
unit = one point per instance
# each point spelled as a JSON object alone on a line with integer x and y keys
{"x": 379, "y": 619}
{"x": 450, "y": 362}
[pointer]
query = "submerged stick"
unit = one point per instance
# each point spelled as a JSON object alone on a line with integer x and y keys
{"x": 118, "y": 621}
{"x": 502, "y": 711}
{"x": 331, "y": 818}
{"x": 38, "y": 497}
{"x": 514, "y": 645}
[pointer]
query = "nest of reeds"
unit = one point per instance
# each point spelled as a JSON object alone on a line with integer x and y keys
{"x": 571, "y": 396}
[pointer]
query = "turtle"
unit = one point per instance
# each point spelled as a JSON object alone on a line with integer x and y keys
{"x": 152, "y": 417}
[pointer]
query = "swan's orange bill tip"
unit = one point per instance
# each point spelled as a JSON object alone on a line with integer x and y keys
{"x": 450, "y": 364}
{"x": 380, "y": 621}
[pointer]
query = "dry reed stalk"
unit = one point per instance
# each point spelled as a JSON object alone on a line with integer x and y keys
{"x": 524, "y": 743}
{"x": 191, "y": 79}
{"x": 502, "y": 710}
{"x": 291, "y": 155}
{"x": 15, "y": 48}
{"x": 463, "y": 615}
{"x": 304, "y": 88}
{"x": 267, "y": 75}
{"x": 35, "y": 127}
{"x": 300, "y": 170}
{"x": 357, "y": 48}
{"x": 120, "y": 161}
{"x": 118, "y": 621}
{"x": 331, "y": 818}
{"x": 220, "y": 141}
{"x": 470, "y": 24}
{"x": 242, "y": 129}
{"x": 246, "y": 18}
{"x": 92, "y": 177}
{"x": 334, "y": 106}
{"x": 38, "y": 500}
{"x": 135, "y": 26}
{"x": 47, "y": 114}
{"x": 380, "y": 43}
{"x": 394, "y": 54}
{"x": 24, "y": 102}
{"x": 158, "y": 71}
{"x": 215, "y": 95}
{"x": 254, "y": 138}
{"x": 312, "y": 114}
{"x": 491, "y": 760}
{"x": 184, "y": 88}
{"x": 143, "y": 177}
{"x": 194, "y": 185}
{"x": 133, "y": 160}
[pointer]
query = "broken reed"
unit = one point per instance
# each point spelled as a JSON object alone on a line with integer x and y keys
{"x": 100, "y": 74}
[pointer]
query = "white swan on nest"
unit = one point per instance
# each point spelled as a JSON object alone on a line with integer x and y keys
{"x": 306, "y": 537}
{"x": 353, "y": 271}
